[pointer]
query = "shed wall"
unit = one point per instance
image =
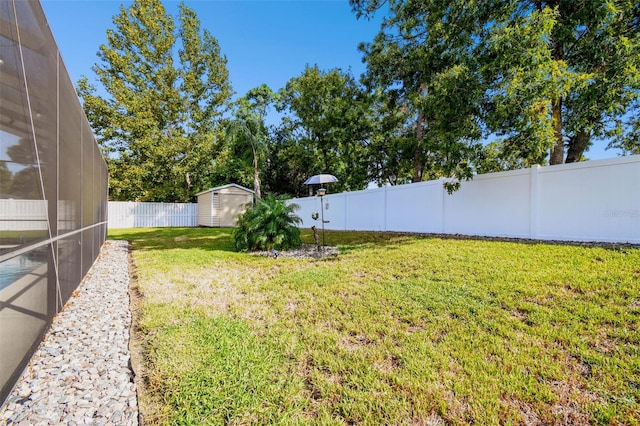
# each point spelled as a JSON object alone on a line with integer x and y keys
{"x": 220, "y": 207}
{"x": 205, "y": 213}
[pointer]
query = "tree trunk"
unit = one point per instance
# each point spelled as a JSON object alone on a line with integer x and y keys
{"x": 577, "y": 145}
{"x": 557, "y": 151}
{"x": 418, "y": 167}
{"x": 557, "y": 54}
{"x": 256, "y": 175}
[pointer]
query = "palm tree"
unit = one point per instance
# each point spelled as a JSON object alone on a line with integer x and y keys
{"x": 248, "y": 135}
{"x": 269, "y": 224}
{"x": 248, "y": 131}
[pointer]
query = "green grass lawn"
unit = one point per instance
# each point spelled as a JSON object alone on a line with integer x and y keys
{"x": 397, "y": 330}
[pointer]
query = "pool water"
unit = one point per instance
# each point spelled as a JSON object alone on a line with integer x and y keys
{"x": 13, "y": 269}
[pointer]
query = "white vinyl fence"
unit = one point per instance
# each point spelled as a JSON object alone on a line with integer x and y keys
{"x": 23, "y": 215}
{"x": 589, "y": 201}
{"x": 124, "y": 214}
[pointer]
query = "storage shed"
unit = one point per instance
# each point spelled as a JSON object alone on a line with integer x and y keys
{"x": 218, "y": 207}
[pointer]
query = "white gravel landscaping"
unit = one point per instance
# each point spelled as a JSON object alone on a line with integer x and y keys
{"x": 81, "y": 372}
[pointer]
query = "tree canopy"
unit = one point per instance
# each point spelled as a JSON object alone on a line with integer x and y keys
{"x": 247, "y": 133}
{"x": 159, "y": 126}
{"x": 451, "y": 88}
{"x": 327, "y": 123}
{"x": 549, "y": 77}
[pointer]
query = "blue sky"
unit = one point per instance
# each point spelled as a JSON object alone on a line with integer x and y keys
{"x": 265, "y": 41}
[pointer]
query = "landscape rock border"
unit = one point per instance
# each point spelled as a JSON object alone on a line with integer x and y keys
{"x": 306, "y": 251}
{"x": 81, "y": 372}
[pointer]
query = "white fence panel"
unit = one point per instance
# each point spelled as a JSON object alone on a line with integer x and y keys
{"x": 123, "y": 214}
{"x": 495, "y": 204}
{"x": 23, "y": 215}
{"x": 415, "y": 208}
{"x": 334, "y": 211}
{"x": 365, "y": 210}
{"x": 307, "y": 206}
{"x": 589, "y": 201}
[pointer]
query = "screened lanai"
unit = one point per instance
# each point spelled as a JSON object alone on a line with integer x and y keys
{"x": 53, "y": 186}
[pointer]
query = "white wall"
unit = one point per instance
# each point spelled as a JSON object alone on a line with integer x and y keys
{"x": 123, "y": 214}
{"x": 602, "y": 201}
{"x": 589, "y": 201}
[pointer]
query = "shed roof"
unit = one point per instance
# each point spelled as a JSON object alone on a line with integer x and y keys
{"x": 217, "y": 188}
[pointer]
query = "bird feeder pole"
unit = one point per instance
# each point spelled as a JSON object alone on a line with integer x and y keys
{"x": 321, "y": 180}
{"x": 321, "y": 192}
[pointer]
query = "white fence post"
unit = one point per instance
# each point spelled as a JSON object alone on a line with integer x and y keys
{"x": 385, "y": 208}
{"x": 533, "y": 203}
{"x": 344, "y": 203}
{"x": 440, "y": 200}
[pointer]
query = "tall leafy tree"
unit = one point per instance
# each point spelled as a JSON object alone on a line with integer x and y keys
{"x": 548, "y": 76}
{"x": 391, "y": 143}
{"x": 5, "y": 179}
{"x": 564, "y": 72}
{"x": 327, "y": 114}
{"x": 423, "y": 61}
{"x": 288, "y": 163}
{"x": 626, "y": 134}
{"x": 158, "y": 126}
{"x": 25, "y": 181}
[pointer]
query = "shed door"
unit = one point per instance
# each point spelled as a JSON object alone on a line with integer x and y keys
{"x": 231, "y": 205}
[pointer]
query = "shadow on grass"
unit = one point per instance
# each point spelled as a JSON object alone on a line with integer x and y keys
{"x": 348, "y": 241}
{"x": 218, "y": 239}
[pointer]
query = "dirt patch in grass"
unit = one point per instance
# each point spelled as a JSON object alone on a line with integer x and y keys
{"x": 148, "y": 401}
{"x": 215, "y": 288}
{"x": 354, "y": 343}
{"x": 432, "y": 420}
{"x": 571, "y": 399}
{"x": 388, "y": 365}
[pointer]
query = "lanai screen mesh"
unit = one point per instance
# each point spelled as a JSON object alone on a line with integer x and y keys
{"x": 53, "y": 186}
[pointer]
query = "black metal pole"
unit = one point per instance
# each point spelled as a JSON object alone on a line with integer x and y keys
{"x": 322, "y": 213}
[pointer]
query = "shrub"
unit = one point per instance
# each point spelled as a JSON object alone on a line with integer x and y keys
{"x": 269, "y": 224}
